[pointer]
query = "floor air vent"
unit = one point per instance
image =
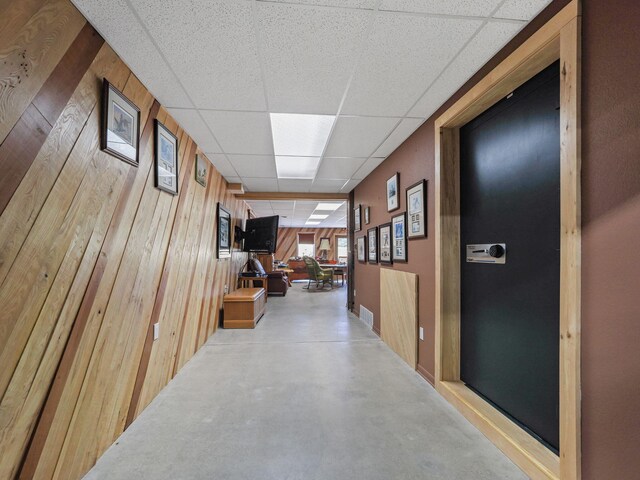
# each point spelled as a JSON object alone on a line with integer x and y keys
{"x": 366, "y": 316}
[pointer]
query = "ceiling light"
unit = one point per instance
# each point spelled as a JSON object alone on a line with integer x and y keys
{"x": 312, "y": 223}
{"x": 330, "y": 207}
{"x": 297, "y": 167}
{"x": 300, "y": 134}
{"x": 318, "y": 217}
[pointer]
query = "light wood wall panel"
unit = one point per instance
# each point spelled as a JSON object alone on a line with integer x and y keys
{"x": 91, "y": 254}
{"x": 399, "y": 313}
{"x": 288, "y": 241}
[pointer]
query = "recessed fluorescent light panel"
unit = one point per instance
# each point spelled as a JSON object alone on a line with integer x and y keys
{"x": 297, "y": 167}
{"x": 318, "y": 217}
{"x": 329, "y": 207}
{"x": 312, "y": 223}
{"x": 299, "y": 134}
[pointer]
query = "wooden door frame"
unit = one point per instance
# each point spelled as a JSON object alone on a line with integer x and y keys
{"x": 558, "y": 39}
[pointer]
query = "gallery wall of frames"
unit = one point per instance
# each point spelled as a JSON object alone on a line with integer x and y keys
{"x": 108, "y": 225}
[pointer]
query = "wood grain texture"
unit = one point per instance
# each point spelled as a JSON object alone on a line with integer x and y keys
{"x": 399, "y": 313}
{"x": 288, "y": 241}
{"x": 91, "y": 254}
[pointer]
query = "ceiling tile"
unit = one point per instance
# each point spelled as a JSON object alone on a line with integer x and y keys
{"x": 233, "y": 179}
{"x": 221, "y": 163}
{"x": 485, "y": 44}
{"x": 368, "y": 4}
{"x": 403, "y": 55}
{"x": 120, "y": 28}
{"x": 521, "y": 9}
{"x": 294, "y": 185}
{"x": 350, "y": 185}
{"x": 368, "y": 167}
{"x": 260, "y": 184}
{"x": 400, "y": 134}
{"x": 358, "y": 136}
{"x": 255, "y": 166}
{"x": 308, "y": 55}
{"x": 333, "y": 168}
{"x": 477, "y": 8}
{"x": 327, "y": 186}
{"x": 193, "y": 124}
{"x": 241, "y": 132}
{"x": 208, "y": 31}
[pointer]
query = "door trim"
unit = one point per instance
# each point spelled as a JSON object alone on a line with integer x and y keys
{"x": 558, "y": 39}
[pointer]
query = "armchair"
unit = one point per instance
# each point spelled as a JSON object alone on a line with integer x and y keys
{"x": 278, "y": 281}
{"x": 317, "y": 274}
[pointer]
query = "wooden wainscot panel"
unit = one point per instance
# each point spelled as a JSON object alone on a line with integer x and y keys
{"x": 399, "y": 313}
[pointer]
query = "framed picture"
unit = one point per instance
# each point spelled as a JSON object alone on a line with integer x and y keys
{"x": 201, "y": 170}
{"x": 393, "y": 195}
{"x": 166, "y": 152}
{"x": 417, "y": 210}
{"x": 120, "y": 129}
{"x": 384, "y": 231}
{"x": 224, "y": 232}
{"x": 372, "y": 242}
{"x": 362, "y": 249}
{"x": 399, "y": 233}
{"x": 367, "y": 218}
{"x": 358, "y": 220}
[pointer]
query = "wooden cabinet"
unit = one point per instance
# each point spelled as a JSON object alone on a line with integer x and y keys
{"x": 244, "y": 307}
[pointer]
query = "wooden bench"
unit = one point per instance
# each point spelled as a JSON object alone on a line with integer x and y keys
{"x": 244, "y": 307}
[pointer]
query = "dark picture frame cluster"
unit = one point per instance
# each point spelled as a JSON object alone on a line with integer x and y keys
{"x": 388, "y": 242}
{"x": 120, "y": 137}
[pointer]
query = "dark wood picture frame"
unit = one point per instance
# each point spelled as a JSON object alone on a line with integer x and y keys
{"x": 367, "y": 215}
{"x": 160, "y": 132}
{"x": 396, "y": 178}
{"x": 394, "y": 236}
{"x": 418, "y": 215}
{"x": 374, "y": 244}
{"x": 381, "y": 248}
{"x": 363, "y": 258}
{"x": 201, "y": 170}
{"x": 223, "y": 228}
{"x": 107, "y": 142}
{"x": 358, "y": 218}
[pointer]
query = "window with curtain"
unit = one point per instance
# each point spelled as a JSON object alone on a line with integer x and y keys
{"x": 341, "y": 245}
{"x": 306, "y": 244}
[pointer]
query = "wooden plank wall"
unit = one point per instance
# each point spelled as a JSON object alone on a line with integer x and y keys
{"x": 91, "y": 254}
{"x": 288, "y": 241}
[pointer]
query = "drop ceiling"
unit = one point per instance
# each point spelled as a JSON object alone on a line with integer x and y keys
{"x": 298, "y": 213}
{"x": 378, "y": 68}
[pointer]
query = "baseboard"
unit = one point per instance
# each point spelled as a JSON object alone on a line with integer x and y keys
{"x": 426, "y": 375}
{"x": 376, "y": 330}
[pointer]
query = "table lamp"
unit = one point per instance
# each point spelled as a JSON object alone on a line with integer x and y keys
{"x": 324, "y": 247}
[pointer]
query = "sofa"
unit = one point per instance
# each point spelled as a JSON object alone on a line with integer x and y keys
{"x": 277, "y": 282}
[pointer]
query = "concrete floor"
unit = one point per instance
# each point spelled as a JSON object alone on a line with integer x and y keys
{"x": 311, "y": 393}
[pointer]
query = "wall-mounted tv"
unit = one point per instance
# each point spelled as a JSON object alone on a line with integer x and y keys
{"x": 261, "y": 235}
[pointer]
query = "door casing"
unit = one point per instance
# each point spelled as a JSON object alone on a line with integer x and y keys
{"x": 558, "y": 39}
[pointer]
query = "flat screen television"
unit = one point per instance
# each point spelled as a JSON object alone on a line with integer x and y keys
{"x": 261, "y": 234}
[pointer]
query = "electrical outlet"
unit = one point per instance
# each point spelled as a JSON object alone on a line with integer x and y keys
{"x": 421, "y": 333}
{"x": 156, "y": 330}
{"x": 226, "y": 289}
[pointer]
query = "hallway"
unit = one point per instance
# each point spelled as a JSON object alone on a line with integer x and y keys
{"x": 311, "y": 393}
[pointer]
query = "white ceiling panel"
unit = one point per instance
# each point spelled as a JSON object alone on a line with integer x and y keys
{"x": 191, "y": 121}
{"x": 350, "y": 185}
{"x": 257, "y": 166}
{"x": 209, "y": 30}
{"x": 367, "y": 4}
{"x": 260, "y": 184}
{"x": 368, "y": 167}
{"x": 403, "y": 55}
{"x": 486, "y": 43}
{"x": 308, "y": 54}
{"x": 328, "y": 186}
{"x": 358, "y": 136}
{"x": 241, "y": 132}
{"x": 400, "y": 134}
{"x": 521, "y": 9}
{"x": 335, "y": 168}
{"x": 471, "y": 8}
{"x": 222, "y": 164}
{"x": 294, "y": 185}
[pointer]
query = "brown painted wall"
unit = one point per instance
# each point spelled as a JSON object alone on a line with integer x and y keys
{"x": 91, "y": 254}
{"x": 288, "y": 241}
{"x": 611, "y": 228}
